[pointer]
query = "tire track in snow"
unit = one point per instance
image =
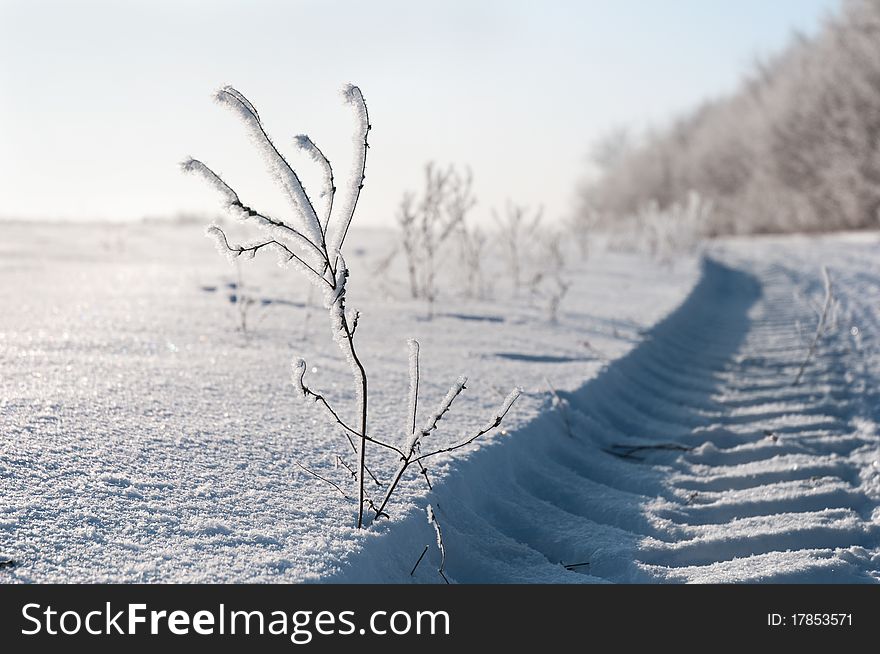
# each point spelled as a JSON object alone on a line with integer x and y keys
{"x": 772, "y": 488}
{"x": 780, "y": 479}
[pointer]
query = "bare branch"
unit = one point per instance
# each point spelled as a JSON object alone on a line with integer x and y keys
{"x": 424, "y": 551}
{"x": 298, "y": 371}
{"x": 354, "y": 449}
{"x": 324, "y": 479}
{"x": 320, "y": 398}
{"x": 234, "y": 204}
{"x": 341, "y": 461}
{"x": 573, "y": 566}
{"x": 628, "y": 451}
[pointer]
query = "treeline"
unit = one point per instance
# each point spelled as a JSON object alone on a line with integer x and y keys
{"x": 796, "y": 148}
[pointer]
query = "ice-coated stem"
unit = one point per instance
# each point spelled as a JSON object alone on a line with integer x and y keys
{"x": 820, "y": 327}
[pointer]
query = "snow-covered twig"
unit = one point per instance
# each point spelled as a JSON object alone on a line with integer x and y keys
{"x": 820, "y": 327}
{"x": 432, "y": 519}
{"x": 562, "y": 405}
{"x": 308, "y": 146}
{"x": 297, "y": 376}
{"x": 412, "y": 448}
{"x": 489, "y": 426}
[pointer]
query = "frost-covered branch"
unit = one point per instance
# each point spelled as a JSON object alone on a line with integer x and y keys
{"x": 489, "y": 426}
{"x": 275, "y": 161}
{"x": 412, "y": 447}
{"x": 298, "y": 371}
{"x": 473, "y": 243}
{"x": 244, "y": 213}
{"x": 225, "y": 247}
{"x": 353, "y": 96}
{"x": 329, "y": 191}
{"x": 821, "y": 326}
{"x": 406, "y": 218}
{"x": 413, "y": 397}
{"x": 432, "y": 520}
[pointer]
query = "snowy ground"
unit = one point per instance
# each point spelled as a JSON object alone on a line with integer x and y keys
{"x": 145, "y": 439}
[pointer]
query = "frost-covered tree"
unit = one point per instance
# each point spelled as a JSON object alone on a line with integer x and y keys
{"x": 311, "y": 240}
{"x": 795, "y": 148}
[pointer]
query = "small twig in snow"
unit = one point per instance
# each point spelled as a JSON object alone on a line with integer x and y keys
{"x": 627, "y": 451}
{"x": 324, "y": 479}
{"x": 424, "y": 551}
{"x": 562, "y": 405}
{"x": 572, "y": 566}
{"x": 432, "y": 519}
{"x": 820, "y": 328}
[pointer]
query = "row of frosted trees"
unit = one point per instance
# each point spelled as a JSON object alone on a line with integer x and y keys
{"x": 796, "y": 148}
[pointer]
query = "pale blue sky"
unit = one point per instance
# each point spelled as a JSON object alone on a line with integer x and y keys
{"x": 100, "y": 100}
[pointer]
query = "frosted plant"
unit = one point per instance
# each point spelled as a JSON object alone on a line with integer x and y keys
{"x": 242, "y": 300}
{"x": 428, "y": 221}
{"x": 311, "y": 241}
{"x": 406, "y": 218}
{"x": 410, "y": 451}
{"x": 549, "y": 281}
{"x": 473, "y": 246}
{"x": 517, "y": 232}
{"x": 556, "y": 284}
